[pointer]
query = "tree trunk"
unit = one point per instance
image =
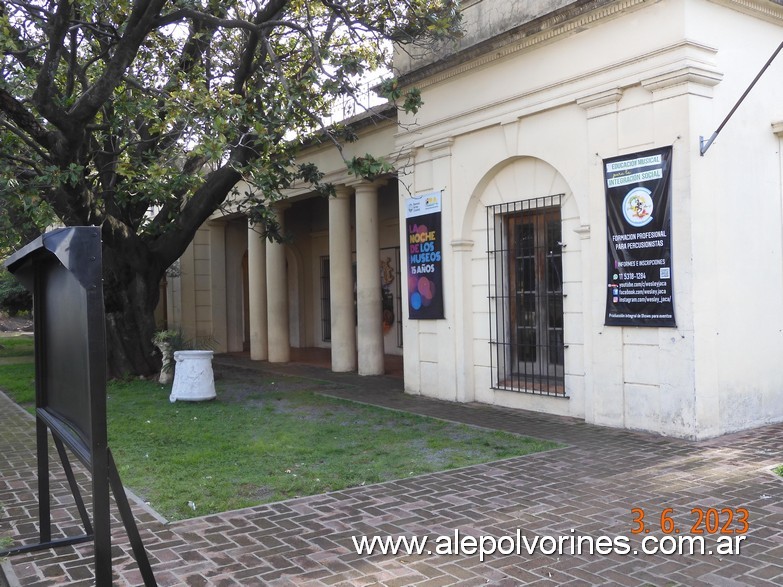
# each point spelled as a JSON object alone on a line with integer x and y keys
{"x": 130, "y": 298}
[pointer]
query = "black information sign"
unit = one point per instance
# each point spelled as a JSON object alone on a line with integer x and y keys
{"x": 425, "y": 261}
{"x": 63, "y": 269}
{"x": 638, "y": 210}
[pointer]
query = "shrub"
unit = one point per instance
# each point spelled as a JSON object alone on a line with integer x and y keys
{"x": 14, "y": 298}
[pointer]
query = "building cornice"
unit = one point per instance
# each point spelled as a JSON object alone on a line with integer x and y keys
{"x": 771, "y": 10}
{"x": 685, "y": 66}
{"x": 371, "y": 120}
{"x": 566, "y": 21}
{"x": 559, "y": 23}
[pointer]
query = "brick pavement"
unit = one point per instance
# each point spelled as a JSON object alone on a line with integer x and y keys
{"x": 589, "y": 486}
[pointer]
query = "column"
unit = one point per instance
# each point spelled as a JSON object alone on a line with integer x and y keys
{"x": 277, "y": 296}
{"x": 341, "y": 283}
{"x": 256, "y": 277}
{"x": 368, "y": 281}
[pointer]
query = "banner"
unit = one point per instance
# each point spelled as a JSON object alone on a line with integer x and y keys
{"x": 638, "y": 209}
{"x": 425, "y": 269}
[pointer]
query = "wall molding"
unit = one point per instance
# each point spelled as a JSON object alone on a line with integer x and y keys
{"x": 767, "y": 9}
{"x": 687, "y": 65}
{"x": 546, "y": 29}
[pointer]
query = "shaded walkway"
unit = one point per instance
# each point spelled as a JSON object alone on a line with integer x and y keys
{"x": 308, "y": 357}
{"x": 590, "y": 487}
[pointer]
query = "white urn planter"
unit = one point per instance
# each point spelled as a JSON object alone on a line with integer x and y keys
{"x": 194, "y": 379}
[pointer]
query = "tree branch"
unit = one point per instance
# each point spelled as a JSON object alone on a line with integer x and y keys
{"x": 217, "y": 185}
{"x": 26, "y": 138}
{"x": 27, "y": 123}
{"x": 45, "y": 91}
{"x": 139, "y": 25}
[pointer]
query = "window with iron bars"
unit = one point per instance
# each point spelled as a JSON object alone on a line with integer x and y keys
{"x": 524, "y": 245}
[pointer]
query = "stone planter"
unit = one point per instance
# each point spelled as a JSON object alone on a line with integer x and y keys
{"x": 167, "y": 370}
{"x": 194, "y": 380}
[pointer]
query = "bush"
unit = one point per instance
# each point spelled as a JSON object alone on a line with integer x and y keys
{"x": 14, "y": 298}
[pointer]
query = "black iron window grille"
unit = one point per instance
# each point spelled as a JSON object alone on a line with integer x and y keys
{"x": 525, "y": 271}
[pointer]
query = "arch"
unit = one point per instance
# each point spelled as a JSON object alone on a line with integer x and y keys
{"x": 512, "y": 180}
{"x": 518, "y": 178}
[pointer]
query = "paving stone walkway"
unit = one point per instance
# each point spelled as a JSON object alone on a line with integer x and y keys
{"x": 588, "y": 488}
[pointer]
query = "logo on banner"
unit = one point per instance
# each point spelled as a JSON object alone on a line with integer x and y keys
{"x": 638, "y": 207}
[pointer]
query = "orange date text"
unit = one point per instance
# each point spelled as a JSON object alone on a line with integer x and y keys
{"x": 701, "y": 521}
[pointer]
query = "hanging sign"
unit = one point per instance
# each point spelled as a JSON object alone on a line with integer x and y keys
{"x": 425, "y": 269}
{"x": 638, "y": 208}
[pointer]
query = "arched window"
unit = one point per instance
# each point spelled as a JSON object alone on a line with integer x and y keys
{"x": 526, "y": 295}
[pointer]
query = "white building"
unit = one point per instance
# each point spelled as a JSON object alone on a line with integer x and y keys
{"x": 517, "y": 124}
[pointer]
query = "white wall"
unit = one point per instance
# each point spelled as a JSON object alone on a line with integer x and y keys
{"x": 539, "y": 121}
{"x": 537, "y": 118}
{"x": 738, "y": 261}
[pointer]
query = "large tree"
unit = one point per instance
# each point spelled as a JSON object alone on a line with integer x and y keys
{"x": 140, "y": 116}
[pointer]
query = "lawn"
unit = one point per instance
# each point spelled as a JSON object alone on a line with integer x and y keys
{"x": 17, "y": 345}
{"x": 269, "y": 438}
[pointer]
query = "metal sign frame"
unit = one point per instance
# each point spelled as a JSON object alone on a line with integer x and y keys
{"x": 63, "y": 270}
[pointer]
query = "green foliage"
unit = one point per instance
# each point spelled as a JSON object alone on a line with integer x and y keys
{"x": 177, "y": 341}
{"x": 89, "y": 136}
{"x": 18, "y": 382}
{"x": 21, "y": 345}
{"x": 23, "y": 213}
{"x": 369, "y": 167}
{"x": 14, "y": 298}
{"x": 145, "y": 125}
{"x": 391, "y": 90}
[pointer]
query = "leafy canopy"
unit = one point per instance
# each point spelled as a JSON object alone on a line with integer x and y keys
{"x": 141, "y": 115}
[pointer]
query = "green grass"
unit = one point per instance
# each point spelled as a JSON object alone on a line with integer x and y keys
{"x": 778, "y": 470}
{"x": 267, "y": 439}
{"x": 5, "y": 544}
{"x": 18, "y": 382}
{"x": 20, "y": 345}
